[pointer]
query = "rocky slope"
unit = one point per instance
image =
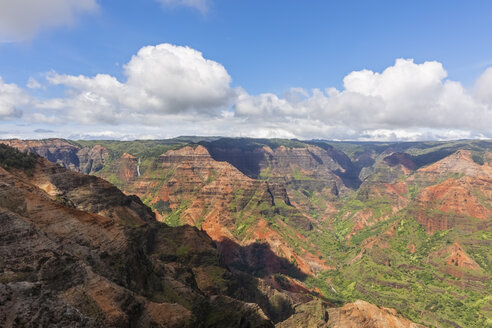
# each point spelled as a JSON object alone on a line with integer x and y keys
{"x": 77, "y": 252}
{"x": 359, "y": 314}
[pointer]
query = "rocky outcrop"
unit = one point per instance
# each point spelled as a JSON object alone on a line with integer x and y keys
{"x": 453, "y": 190}
{"x": 126, "y": 168}
{"x": 453, "y": 259}
{"x": 456, "y": 196}
{"x": 403, "y": 159}
{"x": 383, "y": 199}
{"x": 460, "y": 163}
{"x": 89, "y": 193}
{"x": 91, "y": 160}
{"x": 457, "y": 165}
{"x": 310, "y": 161}
{"x": 188, "y": 186}
{"x": 312, "y": 314}
{"x": 359, "y": 314}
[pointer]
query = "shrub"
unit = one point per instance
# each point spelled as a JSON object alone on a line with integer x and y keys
{"x": 13, "y": 158}
{"x": 478, "y": 159}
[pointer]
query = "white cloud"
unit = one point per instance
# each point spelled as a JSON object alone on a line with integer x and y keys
{"x": 404, "y": 96}
{"x": 161, "y": 80}
{"x": 11, "y": 99}
{"x": 201, "y": 5}
{"x": 415, "y": 134}
{"x": 32, "y": 83}
{"x": 483, "y": 87}
{"x": 23, "y": 19}
{"x": 171, "y": 90}
{"x": 178, "y": 78}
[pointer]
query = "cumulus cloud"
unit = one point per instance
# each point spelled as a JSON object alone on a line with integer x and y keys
{"x": 161, "y": 80}
{"x": 483, "y": 87}
{"x": 170, "y": 90}
{"x": 23, "y": 19}
{"x": 178, "y": 78}
{"x": 12, "y": 98}
{"x": 201, "y": 5}
{"x": 404, "y": 96}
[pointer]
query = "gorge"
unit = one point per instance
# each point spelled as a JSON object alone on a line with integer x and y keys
{"x": 262, "y": 232}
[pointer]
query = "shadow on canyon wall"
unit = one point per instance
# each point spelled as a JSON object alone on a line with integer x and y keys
{"x": 257, "y": 259}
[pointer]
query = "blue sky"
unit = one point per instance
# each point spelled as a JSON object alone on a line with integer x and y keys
{"x": 266, "y": 49}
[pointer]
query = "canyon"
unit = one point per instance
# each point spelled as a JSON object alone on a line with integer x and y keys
{"x": 278, "y": 232}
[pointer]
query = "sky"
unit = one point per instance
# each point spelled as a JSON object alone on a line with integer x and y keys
{"x": 342, "y": 70}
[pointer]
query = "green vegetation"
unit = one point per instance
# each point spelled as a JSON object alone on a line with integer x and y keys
{"x": 161, "y": 207}
{"x": 161, "y": 177}
{"x": 139, "y": 148}
{"x": 13, "y": 158}
{"x": 113, "y": 178}
{"x": 212, "y": 175}
{"x": 374, "y": 208}
{"x": 250, "y": 144}
{"x": 298, "y": 175}
{"x": 266, "y": 173}
{"x": 148, "y": 151}
{"x": 413, "y": 190}
{"x": 174, "y": 219}
{"x": 478, "y": 158}
{"x": 390, "y": 274}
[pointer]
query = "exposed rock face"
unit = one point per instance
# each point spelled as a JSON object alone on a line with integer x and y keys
{"x": 226, "y": 204}
{"x": 127, "y": 168}
{"x": 55, "y": 150}
{"x": 90, "y": 159}
{"x": 458, "y": 163}
{"x": 453, "y": 260}
{"x": 387, "y": 200}
{"x": 85, "y": 160}
{"x": 465, "y": 191}
{"x": 359, "y": 314}
{"x": 104, "y": 260}
{"x": 459, "y": 258}
{"x": 312, "y": 314}
{"x": 401, "y": 158}
{"x": 202, "y": 189}
{"x": 89, "y": 193}
{"x": 283, "y": 164}
{"x": 455, "y": 196}
{"x": 31, "y": 272}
